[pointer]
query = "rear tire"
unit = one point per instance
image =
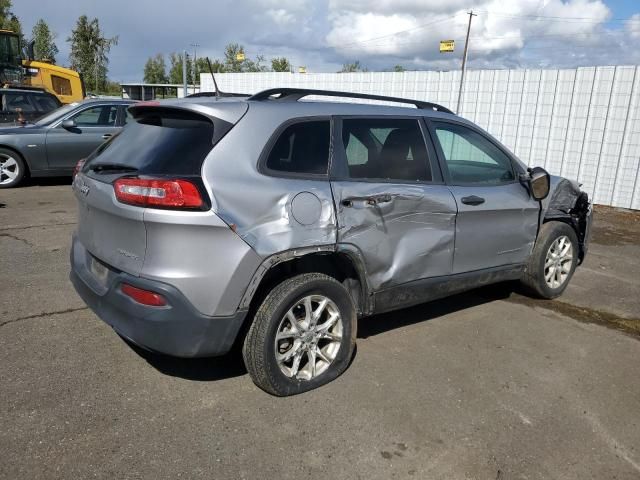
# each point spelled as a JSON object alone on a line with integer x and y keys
{"x": 302, "y": 336}
{"x": 552, "y": 262}
{"x": 12, "y": 168}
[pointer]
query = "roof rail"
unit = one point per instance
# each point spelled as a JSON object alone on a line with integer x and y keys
{"x": 295, "y": 94}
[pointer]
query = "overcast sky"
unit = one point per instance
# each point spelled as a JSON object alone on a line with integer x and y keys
{"x": 324, "y": 34}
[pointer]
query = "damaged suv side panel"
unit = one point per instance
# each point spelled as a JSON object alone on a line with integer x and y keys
{"x": 270, "y": 214}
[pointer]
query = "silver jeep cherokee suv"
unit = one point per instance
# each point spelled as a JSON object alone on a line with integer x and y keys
{"x": 278, "y": 222}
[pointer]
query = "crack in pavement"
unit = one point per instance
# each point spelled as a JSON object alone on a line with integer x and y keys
{"x": 26, "y": 227}
{"x": 14, "y": 237}
{"x": 43, "y": 314}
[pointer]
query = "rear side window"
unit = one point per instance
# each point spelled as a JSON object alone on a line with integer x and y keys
{"x": 21, "y": 101}
{"x": 389, "y": 149}
{"x": 44, "y": 103}
{"x": 159, "y": 142}
{"x": 302, "y": 148}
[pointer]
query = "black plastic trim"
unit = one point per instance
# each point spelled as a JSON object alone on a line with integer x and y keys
{"x": 428, "y": 289}
{"x": 295, "y": 94}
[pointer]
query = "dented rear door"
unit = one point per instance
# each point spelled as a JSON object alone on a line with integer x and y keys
{"x": 390, "y": 201}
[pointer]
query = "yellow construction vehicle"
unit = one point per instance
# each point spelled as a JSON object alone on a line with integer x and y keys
{"x": 19, "y": 70}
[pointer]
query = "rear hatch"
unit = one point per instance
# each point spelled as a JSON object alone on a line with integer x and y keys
{"x": 159, "y": 152}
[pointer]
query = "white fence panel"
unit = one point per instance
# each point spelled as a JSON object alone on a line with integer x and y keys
{"x": 581, "y": 123}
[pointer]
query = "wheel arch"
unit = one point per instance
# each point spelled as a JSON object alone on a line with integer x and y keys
{"x": 27, "y": 172}
{"x": 575, "y": 214}
{"x": 344, "y": 263}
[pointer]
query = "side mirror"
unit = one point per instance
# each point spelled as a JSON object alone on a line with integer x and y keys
{"x": 539, "y": 183}
{"x": 69, "y": 124}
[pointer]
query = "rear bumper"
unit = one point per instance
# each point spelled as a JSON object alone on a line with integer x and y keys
{"x": 176, "y": 329}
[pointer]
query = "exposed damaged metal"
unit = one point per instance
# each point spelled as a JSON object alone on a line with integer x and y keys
{"x": 567, "y": 203}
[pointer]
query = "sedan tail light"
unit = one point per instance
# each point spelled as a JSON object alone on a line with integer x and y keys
{"x": 77, "y": 168}
{"x": 160, "y": 193}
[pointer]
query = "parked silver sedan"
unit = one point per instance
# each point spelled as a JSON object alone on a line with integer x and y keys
{"x": 53, "y": 145}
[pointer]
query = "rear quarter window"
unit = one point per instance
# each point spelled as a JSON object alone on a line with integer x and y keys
{"x": 302, "y": 148}
{"x": 159, "y": 141}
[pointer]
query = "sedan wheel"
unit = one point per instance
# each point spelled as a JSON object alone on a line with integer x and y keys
{"x": 11, "y": 169}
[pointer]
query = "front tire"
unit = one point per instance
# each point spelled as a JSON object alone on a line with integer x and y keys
{"x": 302, "y": 336}
{"x": 12, "y": 168}
{"x": 553, "y": 261}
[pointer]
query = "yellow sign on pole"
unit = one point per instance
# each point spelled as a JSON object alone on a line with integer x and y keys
{"x": 240, "y": 57}
{"x": 447, "y": 46}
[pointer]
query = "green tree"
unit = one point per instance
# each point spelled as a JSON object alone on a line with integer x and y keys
{"x": 113, "y": 88}
{"x": 255, "y": 65}
{"x": 280, "y": 64}
{"x": 399, "y": 68}
{"x": 155, "y": 70}
{"x": 44, "y": 47}
{"x": 353, "y": 67}
{"x": 233, "y": 64}
{"x": 89, "y": 52}
{"x": 175, "y": 70}
{"x": 9, "y": 21}
{"x": 203, "y": 67}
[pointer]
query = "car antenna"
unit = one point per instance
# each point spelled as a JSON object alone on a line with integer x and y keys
{"x": 215, "y": 84}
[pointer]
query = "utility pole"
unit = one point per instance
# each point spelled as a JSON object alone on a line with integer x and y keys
{"x": 464, "y": 61}
{"x": 184, "y": 73}
{"x": 195, "y": 64}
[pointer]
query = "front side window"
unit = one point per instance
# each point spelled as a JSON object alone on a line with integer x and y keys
{"x": 302, "y": 148}
{"x": 471, "y": 158}
{"x": 386, "y": 149}
{"x": 102, "y": 116}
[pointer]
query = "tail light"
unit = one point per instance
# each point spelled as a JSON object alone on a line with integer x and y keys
{"x": 145, "y": 297}
{"x": 77, "y": 168}
{"x": 158, "y": 193}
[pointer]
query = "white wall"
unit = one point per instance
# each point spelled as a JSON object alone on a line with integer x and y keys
{"x": 580, "y": 123}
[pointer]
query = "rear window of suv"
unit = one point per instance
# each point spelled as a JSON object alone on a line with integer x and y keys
{"x": 159, "y": 142}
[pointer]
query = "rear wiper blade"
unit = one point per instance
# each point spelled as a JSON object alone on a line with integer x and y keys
{"x": 112, "y": 167}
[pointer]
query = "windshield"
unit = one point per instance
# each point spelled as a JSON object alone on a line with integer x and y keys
{"x": 10, "y": 49}
{"x": 56, "y": 114}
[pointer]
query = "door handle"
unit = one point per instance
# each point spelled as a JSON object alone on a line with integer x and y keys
{"x": 371, "y": 200}
{"x": 472, "y": 200}
{"x": 107, "y": 136}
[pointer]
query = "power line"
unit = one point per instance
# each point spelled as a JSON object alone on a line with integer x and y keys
{"x": 555, "y": 18}
{"x": 398, "y": 33}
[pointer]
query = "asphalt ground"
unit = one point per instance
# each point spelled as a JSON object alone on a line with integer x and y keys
{"x": 485, "y": 385}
